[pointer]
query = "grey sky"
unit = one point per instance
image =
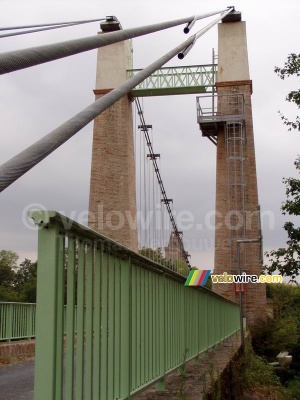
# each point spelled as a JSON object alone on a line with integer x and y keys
{"x": 37, "y": 100}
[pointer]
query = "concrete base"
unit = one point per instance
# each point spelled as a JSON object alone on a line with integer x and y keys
{"x": 15, "y": 350}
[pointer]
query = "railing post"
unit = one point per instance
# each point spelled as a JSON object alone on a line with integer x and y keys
{"x": 9, "y": 322}
{"x": 161, "y": 384}
{"x": 97, "y": 321}
{"x": 126, "y": 326}
{"x": 28, "y": 314}
{"x": 80, "y": 327}
{"x": 88, "y": 360}
{"x": 3, "y": 319}
{"x": 48, "y": 316}
{"x": 70, "y": 317}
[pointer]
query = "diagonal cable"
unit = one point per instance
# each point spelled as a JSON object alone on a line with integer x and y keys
{"x": 47, "y": 28}
{"x": 13, "y": 28}
{"x": 28, "y": 158}
{"x": 20, "y": 59}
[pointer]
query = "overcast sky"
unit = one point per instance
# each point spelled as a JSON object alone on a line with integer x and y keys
{"x": 37, "y": 100}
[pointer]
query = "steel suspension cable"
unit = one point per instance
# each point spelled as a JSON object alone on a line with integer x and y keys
{"x": 48, "y": 28}
{"x": 28, "y": 158}
{"x": 14, "y": 28}
{"x": 161, "y": 185}
{"x": 20, "y": 59}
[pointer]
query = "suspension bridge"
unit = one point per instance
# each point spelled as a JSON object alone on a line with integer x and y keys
{"x": 113, "y": 316}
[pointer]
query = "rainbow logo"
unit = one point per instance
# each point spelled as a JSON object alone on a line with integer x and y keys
{"x": 197, "y": 277}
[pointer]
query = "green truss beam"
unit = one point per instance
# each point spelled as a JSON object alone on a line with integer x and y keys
{"x": 176, "y": 80}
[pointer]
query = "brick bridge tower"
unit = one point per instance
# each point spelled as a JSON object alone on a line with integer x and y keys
{"x": 112, "y": 204}
{"x": 229, "y": 125}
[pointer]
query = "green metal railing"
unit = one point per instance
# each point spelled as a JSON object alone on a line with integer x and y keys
{"x": 17, "y": 321}
{"x": 176, "y": 80}
{"x": 135, "y": 318}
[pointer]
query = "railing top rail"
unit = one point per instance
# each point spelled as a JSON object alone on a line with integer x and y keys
{"x": 221, "y": 95}
{"x": 18, "y": 303}
{"x": 214, "y": 108}
{"x": 178, "y": 67}
{"x": 44, "y": 218}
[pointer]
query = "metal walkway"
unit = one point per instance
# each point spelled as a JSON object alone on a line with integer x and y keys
{"x": 176, "y": 80}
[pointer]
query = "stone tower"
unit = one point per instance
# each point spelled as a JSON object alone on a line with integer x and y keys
{"x": 112, "y": 204}
{"x": 173, "y": 251}
{"x": 237, "y": 208}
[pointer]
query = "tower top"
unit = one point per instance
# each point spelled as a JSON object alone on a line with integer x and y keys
{"x": 232, "y": 52}
{"x": 111, "y": 24}
{"x": 234, "y": 16}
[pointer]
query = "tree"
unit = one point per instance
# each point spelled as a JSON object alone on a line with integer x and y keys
{"x": 287, "y": 260}
{"x": 156, "y": 255}
{"x": 17, "y": 283}
{"x": 291, "y": 67}
{"x": 8, "y": 264}
{"x": 25, "y": 280}
{"x": 280, "y": 332}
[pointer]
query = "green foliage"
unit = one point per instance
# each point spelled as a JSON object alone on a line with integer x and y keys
{"x": 213, "y": 382}
{"x": 182, "y": 374}
{"x": 8, "y": 262}
{"x": 260, "y": 378}
{"x": 295, "y": 365}
{"x": 294, "y": 388}
{"x": 153, "y": 254}
{"x": 181, "y": 267}
{"x": 208, "y": 284}
{"x": 9, "y": 294}
{"x": 292, "y": 204}
{"x": 157, "y": 256}
{"x": 17, "y": 283}
{"x": 287, "y": 260}
{"x": 282, "y": 331}
{"x": 291, "y": 67}
{"x": 25, "y": 280}
{"x": 248, "y": 374}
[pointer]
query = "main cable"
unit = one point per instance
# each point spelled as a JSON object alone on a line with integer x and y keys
{"x": 20, "y": 59}
{"x": 52, "y": 26}
{"x": 14, "y": 28}
{"x": 28, "y": 158}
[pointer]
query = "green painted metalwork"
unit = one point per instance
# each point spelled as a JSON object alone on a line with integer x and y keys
{"x": 176, "y": 80}
{"x": 135, "y": 318}
{"x": 70, "y": 316}
{"x": 17, "y": 321}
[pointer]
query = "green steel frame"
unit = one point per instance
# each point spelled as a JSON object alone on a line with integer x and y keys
{"x": 135, "y": 318}
{"x": 176, "y": 80}
{"x": 17, "y": 321}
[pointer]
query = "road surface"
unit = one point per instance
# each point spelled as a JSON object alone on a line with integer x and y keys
{"x": 16, "y": 381}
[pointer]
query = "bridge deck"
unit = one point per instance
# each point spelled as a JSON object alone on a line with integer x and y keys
{"x": 197, "y": 377}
